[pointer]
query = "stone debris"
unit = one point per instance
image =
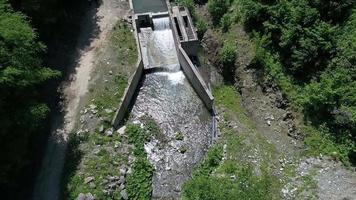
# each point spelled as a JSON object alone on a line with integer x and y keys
{"x": 109, "y": 132}
{"x": 108, "y": 111}
{"x": 88, "y": 179}
{"x": 124, "y": 195}
{"x": 87, "y": 196}
{"x": 101, "y": 129}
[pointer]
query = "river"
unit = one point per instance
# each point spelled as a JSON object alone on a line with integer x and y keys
{"x": 170, "y": 100}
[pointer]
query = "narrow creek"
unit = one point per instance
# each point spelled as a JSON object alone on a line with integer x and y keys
{"x": 170, "y": 100}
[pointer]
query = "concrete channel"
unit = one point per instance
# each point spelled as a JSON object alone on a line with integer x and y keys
{"x": 168, "y": 87}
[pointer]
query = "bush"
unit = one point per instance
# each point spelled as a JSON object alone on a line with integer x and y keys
{"x": 225, "y": 22}
{"x": 217, "y": 8}
{"x": 201, "y": 28}
{"x": 188, "y": 4}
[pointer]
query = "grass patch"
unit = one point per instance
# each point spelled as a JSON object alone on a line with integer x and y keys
{"x": 97, "y": 159}
{"x": 139, "y": 183}
{"x": 235, "y": 176}
{"x": 227, "y": 97}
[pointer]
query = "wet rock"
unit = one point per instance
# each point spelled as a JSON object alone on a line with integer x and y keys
{"x": 123, "y": 171}
{"x": 112, "y": 185}
{"x": 269, "y": 122}
{"x": 109, "y": 132}
{"x": 113, "y": 178}
{"x": 122, "y": 180}
{"x": 122, "y": 187}
{"x": 124, "y": 195}
{"x": 88, "y": 179}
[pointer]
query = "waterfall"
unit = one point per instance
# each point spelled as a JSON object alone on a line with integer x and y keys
{"x": 161, "y": 23}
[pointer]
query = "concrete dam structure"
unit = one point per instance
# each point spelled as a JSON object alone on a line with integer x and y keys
{"x": 167, "y": 87}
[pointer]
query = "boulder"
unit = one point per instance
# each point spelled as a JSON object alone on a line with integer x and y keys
{"x": 109, "y": 132}
{"x": 124, "y": 195}
{"x": 121, "y": 130}
{"x": 101, "y": 129}
{"x": 88, "y": 179}
{"x": 87, "y": 196}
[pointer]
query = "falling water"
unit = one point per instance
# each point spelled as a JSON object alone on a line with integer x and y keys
{"x": 171, "y": 101}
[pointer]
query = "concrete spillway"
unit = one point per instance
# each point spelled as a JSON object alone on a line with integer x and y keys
{"x": 171, "y": 101}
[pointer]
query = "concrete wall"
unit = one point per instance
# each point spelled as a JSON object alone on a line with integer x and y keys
{"x": 133, "y": 83}
{"x": 190, "y": 47}
{"x": 128, "y": 95}
{"x": 190, "y": 71}
{"x": 195, "y": 78}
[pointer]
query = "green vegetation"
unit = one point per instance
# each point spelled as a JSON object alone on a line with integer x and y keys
{"x": 179, "y": 136}
{"x": 201, "y": 28}
{"x": 308, "y": 48}
{"x": 108, "y": 95}
{"x": 314, "y": 42}
{"x": 97, "y": 159}
{"x": 227, "y": 56}
{"x": 217, "y": 8}
{"x": 22, "y": 111}
{"x": 139, "y": 183}
{"x": 234, "y": 177}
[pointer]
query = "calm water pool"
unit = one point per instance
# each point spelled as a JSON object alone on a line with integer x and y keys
{"x": 142, "y": 6}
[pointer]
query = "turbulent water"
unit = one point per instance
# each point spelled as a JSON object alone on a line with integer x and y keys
{"x": 171, "y": 101}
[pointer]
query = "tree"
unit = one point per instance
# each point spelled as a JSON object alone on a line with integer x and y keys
{"x": 217, "y": 8}
{"x": 21, "y": 110}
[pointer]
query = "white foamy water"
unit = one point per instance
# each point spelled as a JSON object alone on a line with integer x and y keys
{"x": 167, "y": 96}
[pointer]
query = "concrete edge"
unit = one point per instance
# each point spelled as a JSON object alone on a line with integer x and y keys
{"x": 195, "y": 79}
{"x": 132, "y": 83}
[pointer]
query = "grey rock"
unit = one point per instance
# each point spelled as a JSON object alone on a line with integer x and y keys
{"x": 101, "y": 129}
{"x": 81, "y": 196}
{"x": 122, "y": 179}
{"x": 109, "y": 132}
{"x": 92, "y": 106}
{"x": 123, "y": 171}
{"x": 122, "y": 187}
{"x": 112, "y": 185}
{"x": 87, "y": 196}
{"x": 88, "y": 179}
{"x": 108, "y": 111}
{"x": 124, "y": 195}
{"x": 92, "y": 185}
{"x": 121, "y": 130}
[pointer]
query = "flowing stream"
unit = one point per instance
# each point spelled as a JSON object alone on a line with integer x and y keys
{"x": 170, "y": 100}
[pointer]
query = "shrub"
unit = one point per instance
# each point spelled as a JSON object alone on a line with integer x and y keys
{"x": 225, "y": 22}
{"x": 201, "y": 28}
{"x": 217, "y": 8}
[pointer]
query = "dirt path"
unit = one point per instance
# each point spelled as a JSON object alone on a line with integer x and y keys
{"x": 74, "y": 91}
